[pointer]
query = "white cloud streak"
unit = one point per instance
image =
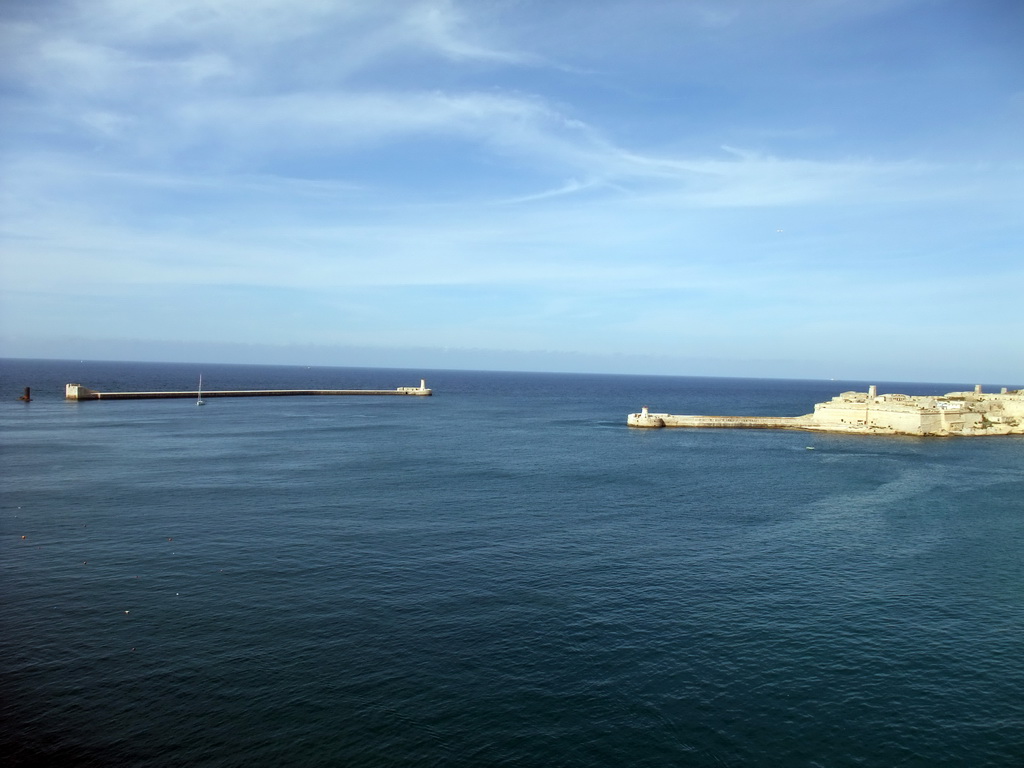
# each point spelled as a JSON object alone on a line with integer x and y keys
{"x": 418, "y": 148}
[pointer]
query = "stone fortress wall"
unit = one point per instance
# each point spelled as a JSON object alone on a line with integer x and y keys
{"x": 955, "y": 413}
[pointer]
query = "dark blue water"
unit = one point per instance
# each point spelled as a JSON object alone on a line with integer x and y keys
{"x": 502, "y": 574}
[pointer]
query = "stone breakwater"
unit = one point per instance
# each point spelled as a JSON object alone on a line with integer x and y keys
{"x": 955, "y": 413}
{"x": 78, "y": 392}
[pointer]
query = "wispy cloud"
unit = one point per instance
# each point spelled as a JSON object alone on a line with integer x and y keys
{"x": 440, "y": 26}
{"x": 585, "y": 172}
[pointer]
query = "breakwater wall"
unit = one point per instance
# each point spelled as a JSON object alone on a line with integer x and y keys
{"x": 869, "y": 413}
{"x": 656, "y": 420}
{"x": 78, "y": 392}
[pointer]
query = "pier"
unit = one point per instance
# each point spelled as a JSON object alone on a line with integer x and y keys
{"x": 78, "y": 392}
{"x": 869, "y": 413}
{"x": 655, "y": 420}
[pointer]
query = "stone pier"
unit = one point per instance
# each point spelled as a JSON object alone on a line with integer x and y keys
{"x": 654, "y": 420}
{"x": 955, "y": 413}
{"x": 78, "y": 392}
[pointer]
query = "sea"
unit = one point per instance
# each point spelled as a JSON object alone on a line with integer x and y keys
{"x": 502, "y": 574}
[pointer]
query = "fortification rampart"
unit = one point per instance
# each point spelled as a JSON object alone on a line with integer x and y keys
{"x": 956, "y": 413}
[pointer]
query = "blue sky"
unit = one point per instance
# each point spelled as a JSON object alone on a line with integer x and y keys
{"x": 796, "y": 189}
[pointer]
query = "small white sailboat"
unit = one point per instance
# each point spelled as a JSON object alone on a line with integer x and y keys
{"x": 199, "y": 394}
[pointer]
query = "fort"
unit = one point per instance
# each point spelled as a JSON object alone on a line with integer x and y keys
{"x": 78, "y": 392}
{"x": 868, "y": 413}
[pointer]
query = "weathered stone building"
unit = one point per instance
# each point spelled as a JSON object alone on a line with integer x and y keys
{"x": 955, "y": 413}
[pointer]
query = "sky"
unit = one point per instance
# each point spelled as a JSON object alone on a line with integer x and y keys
{"x": 759, "y": 188}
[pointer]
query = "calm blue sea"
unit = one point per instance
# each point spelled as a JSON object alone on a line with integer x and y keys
{"x": 502, "y": 574}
